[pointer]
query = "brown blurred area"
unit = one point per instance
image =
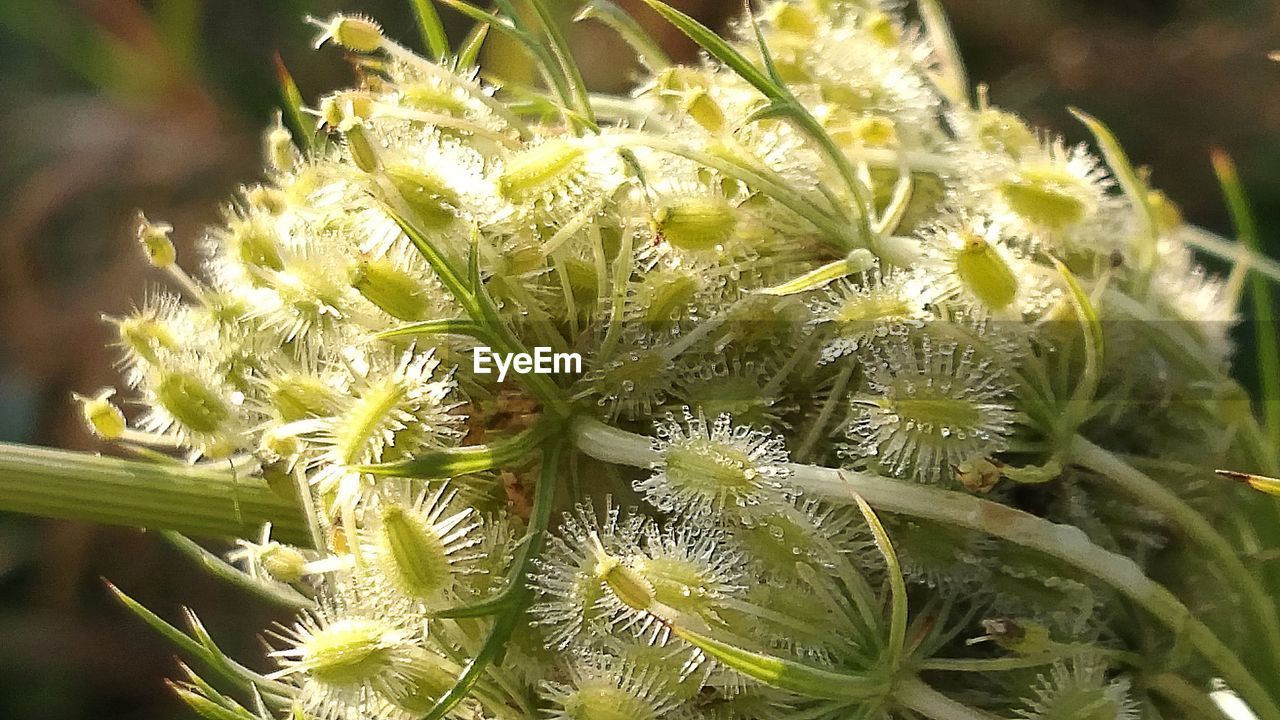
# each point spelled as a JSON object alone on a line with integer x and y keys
{"x": 114, "y": 105}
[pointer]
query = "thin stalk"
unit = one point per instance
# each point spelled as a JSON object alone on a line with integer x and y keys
{"x": 1065, "y": 543}
{"x": 112, "y": 491}
{"x": 1190, "y": 701}
{"x": 1254, "y": 599}
{"x": 916, "y": 695}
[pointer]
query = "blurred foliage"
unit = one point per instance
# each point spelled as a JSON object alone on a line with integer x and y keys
{"x": 112, "y": 105}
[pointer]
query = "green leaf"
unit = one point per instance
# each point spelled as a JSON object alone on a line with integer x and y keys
{"x": 206, "y": 707}
{"x": 1265, "y": 339}
{"x": 453, "y": 462}
{"x": 647, "y": 49}
{"x": 1077, "y": 410}
{"x": 519, "y": 592}
{"x": 897, "y": 583}
{"x": 203, "y": 649}
{"x": 765, "y": 55}
{"x": 719, "y": 49}
{"x": 275, "y": 592}
{"x": 469, "y": 51}
{"x": 774, "y": 110}
{"x": 433, "y": 34}
{"x": 452, "y": 326}
{"x": 559, "y": 47}
{"x": 954, "y": 81}
{"x": 435, "y": 258}
{"x": 1130, "y": 183}
{"x": 303, "y": 129}
{"x": 788, "y": 674}
{"x": 856, "y": 262}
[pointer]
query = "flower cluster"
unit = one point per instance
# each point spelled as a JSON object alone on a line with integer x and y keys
{"x": 810, "y": 250}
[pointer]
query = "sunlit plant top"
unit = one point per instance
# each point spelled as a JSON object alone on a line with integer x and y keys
{"x": 891, "y": 405}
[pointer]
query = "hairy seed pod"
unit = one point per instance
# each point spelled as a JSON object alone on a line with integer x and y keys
{"x": 357, "y": 34}
{"x": 985, "y": 273}
{"x": 146, "y": 337}
{"x": 536, "y": 170}
{"x": 351, "y": 651}
{"x": 430, "y": 198}
{"x": 253, "y": 242}
{"x": 191, "y": 402}
{"x": 1004, "y": 132}
{"x": 427, "y": 677}
{"x": 704, "y": 110}
{"x": 416, "y": 555}
{"x": 696, "y": 223}
{"x": 394, "y": 291}
{"x": 155, "y": 242}
{"x": 626, "y": 583}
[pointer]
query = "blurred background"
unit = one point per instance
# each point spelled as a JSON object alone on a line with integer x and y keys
{"x": 113, "y": 105}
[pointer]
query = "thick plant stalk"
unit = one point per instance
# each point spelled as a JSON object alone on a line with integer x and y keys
{"x": 1062, "y": 542}
{"x": 186, "y": 499}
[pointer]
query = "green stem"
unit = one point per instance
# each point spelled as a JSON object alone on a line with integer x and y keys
{"x": 1141, "y": 487}
{"x": 1189, "y": 700}
{"x": 916, "y": 695}
{"x": 1065, "y": 543}
{"x": 112, "y": 491}
{"x": 452, "y": 462}
{"x": 518, "y": 593}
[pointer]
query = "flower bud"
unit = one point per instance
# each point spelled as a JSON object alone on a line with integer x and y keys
{"x": 155, "y": 242}
{"x": 985, "y": 273}
{"x": 790, "y": 17}
{"x": 696, "y": 223}
{"x": 1168, "y": 214}
{"x": 1003, "y": 132}
{"x": 1019, "y": 636}
{"x": 875, "y": 131}
{"x": 704, "y": 110}
{"x": 269, "y": 199}
{"x": 283, "y": 563}
{"x": 357, "y": 34}
{"x": 882, "y": 28}
{"x": 101, "y": 415}
{"x": 278, "y": 443}
{"x": 278, "y": 143}
{"x": 363, "y": 152}
{"x": 1046, "y": 195}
